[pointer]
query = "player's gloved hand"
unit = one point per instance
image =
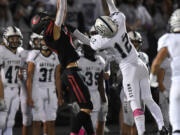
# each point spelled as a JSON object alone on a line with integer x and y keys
{"x": 75, "y": 107}
{"x": 166, "y": 94}
{"x": 153, "y": 81}
{"x": 2, "y": 104}
{"x": 104, "y": 107}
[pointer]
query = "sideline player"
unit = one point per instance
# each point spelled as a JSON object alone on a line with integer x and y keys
{"x": 42, "y": 81}
{"x": 113, "y": 37}
{"x": 34, "y": 43}
{"x": 10, "y": 61}
{"x": 58, "y": 38}
{"x": 170, "y": 47}
{"x": 93, "y": 66}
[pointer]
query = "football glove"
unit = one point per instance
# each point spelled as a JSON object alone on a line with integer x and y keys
{"x": 153, "y": 81}
{"x": 75, "y": 107}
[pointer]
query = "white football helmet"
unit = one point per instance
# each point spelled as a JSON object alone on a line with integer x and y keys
{"x": 105, "y": 26}
{"x": 33, "y": 43}
{"x": 174, "y": 21}
{"x": 135, "y": 36}
{"x": 11, "y": 31}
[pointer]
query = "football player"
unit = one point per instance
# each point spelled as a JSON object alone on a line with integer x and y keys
{"x": 42, "y": 81}
{"x": 93, "y": 66}
{"x": 170, "y": 47}
{"x": 164, "y": 81}
{"x": 10, "y": 61}
{"x": 136, "y": 39}
{"x": 58, "y": 38}
{"x": 34, "y": 43}
{"x": 128, "y": 119}
{"x": 113, "y": 37}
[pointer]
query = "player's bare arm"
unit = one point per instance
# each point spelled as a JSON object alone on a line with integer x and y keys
{"x": 30, "y": 73}
{"x": 101, "y": 87}
{"x": 60, "y": 18}
{"x": 58, "y": 84}
{"x": 162, "y": 54}
{"x": 160, "y": 79}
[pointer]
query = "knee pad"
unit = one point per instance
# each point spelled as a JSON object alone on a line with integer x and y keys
{"x": 27, "y": 121}
{"x": 10, "y": 123}
{"x": 102, "y": 116}
{"x": 3, "y": 123}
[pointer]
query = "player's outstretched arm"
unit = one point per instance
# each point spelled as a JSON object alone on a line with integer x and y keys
{"x": 111, "y": 6}
{"x": 60, "y": 18}
{"x": 83, "y": 38}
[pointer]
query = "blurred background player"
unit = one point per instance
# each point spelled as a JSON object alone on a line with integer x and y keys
{"x": 10, "y": 61}
{"x": 164, "y": 81}
{"x": 170, "y": 47}
{"x": 136, "y": 39}
{"x": 42, "y": 81}
{"x": 26, "y": 110}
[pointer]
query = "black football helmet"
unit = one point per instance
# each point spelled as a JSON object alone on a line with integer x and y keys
{"x": 40, "y": 22}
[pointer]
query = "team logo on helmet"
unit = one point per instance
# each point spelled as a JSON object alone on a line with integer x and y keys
{"x": 35, "y": 20}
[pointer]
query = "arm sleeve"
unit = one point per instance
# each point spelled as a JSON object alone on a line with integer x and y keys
{"x": 111, "y": 6}
{"x": 61, "y": 12}
{"x": 83, "y": 38}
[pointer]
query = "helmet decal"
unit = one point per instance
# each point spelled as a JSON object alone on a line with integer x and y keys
{"x": 35, "y": 20}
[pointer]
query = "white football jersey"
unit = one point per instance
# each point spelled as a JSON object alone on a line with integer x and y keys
{"x": 45, "y": 67}
{"x": 119, "y": 45}
{"x": 10, "y": 64}
{"x": 172, "y": 42}
{"x": 91, "y": 70}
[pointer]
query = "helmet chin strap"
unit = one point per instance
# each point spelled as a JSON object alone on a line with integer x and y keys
{"x": 45, "y": 50}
